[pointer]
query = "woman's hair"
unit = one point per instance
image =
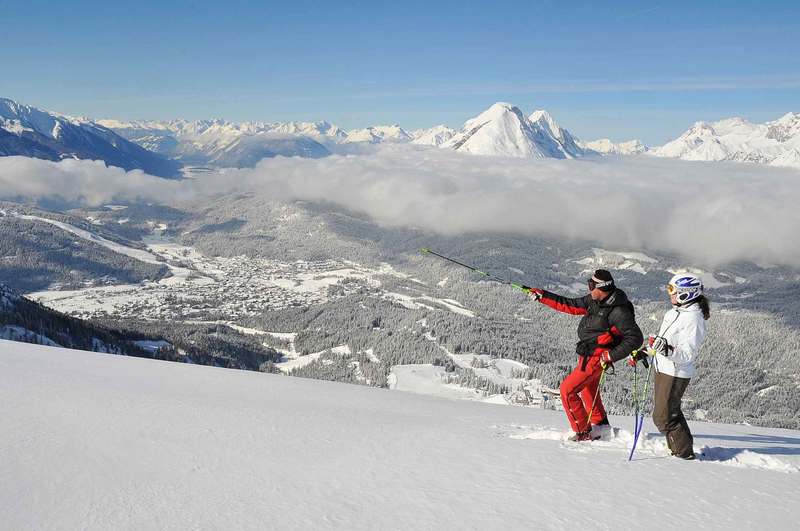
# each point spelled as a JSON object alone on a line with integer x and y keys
{"x": 705, "y": 306}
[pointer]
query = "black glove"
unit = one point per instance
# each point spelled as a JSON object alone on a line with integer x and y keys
{"x": 660, "y": 346}
{"x": 637, "y": 356}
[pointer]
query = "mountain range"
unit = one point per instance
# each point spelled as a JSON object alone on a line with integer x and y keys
{"x": 776, "y": 143}
{"x": 31, "y": 132}
{"x": 228, "y": 144}
{"x": 162, "y": 147}
{"x": 604, "y": 146}
{"x": 501, "y": 130}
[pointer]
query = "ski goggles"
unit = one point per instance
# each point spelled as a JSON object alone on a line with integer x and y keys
{"x": 595, "y": 283}
{"x": 672, "y": 290}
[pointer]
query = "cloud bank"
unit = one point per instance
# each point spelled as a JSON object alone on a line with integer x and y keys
{"x": 712, "y": 213}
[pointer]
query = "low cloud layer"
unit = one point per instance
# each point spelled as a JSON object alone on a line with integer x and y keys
{"x": 711, "y": 213}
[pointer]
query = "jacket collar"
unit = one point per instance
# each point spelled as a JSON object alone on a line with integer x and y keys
{"x": 617, "y": 298}
{"x": 691, "y": 307}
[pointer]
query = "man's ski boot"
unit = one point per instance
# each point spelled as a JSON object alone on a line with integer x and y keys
{"x": 582, "y": 436}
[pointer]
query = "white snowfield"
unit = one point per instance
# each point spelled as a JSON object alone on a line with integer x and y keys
{"x": 93, "y": 441}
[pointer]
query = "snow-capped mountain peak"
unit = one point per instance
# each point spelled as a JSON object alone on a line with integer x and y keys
{"x": 784, "y": 128}
{"x": 503, "y": 130}
{"x": 28, "y": 131}
{"x": 736, "y": 139}
{"x": 569, "y": 143}
{"x": 28, "y": 117}
{"x": 545, "y": 118}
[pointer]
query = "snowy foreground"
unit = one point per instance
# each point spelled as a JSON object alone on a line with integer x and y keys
{"x": 94, "y": 441}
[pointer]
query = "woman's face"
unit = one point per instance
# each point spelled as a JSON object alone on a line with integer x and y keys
{"x": 673, "y": 298}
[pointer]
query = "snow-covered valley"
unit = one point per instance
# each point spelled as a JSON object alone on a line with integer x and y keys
{"x": 263, "y": 286}
{"x": 96, "y": 441}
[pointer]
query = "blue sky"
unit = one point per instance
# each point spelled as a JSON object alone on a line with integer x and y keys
{"x": 622, "y": 70}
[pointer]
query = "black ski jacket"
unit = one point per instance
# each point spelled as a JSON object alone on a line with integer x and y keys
{"x": 608, "y": 324}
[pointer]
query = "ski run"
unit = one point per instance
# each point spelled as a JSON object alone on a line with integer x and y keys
{"x": 95, "y": 441}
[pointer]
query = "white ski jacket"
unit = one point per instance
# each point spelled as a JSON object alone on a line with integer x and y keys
{"x": 684, "y": 329}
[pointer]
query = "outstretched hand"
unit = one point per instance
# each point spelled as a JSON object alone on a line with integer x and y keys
{"x": 536, "y": 293}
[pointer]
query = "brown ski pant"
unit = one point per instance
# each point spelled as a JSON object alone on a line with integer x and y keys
{"x": 668, "y": 416}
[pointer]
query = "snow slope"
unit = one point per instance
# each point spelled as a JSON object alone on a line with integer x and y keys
{"x": 776, "y": 143}
{"x": 570, "y": 147}
{"x": 93, "y": 441}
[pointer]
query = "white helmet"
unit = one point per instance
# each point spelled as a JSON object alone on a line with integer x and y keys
{"x": 686, "y": 287}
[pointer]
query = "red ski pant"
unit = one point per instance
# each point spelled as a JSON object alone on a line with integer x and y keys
{"x": 578, "y": 391}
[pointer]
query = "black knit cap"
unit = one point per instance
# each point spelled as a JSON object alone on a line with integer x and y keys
{"x": 602, "y": 279}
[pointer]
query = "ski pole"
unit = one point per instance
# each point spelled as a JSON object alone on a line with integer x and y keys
{"x": 639, "y": 405}
{"x": 635, "y": 411}
{"x": 596, "y": 394}
{"x": 633, "y": 390}
{"x": 476, "y": 270}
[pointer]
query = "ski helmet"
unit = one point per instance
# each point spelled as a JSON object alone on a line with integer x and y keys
{"x": 686, "y": 287}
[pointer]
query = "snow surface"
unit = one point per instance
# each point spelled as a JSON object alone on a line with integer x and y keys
{"x": 426, "y": 379}
{"x": 92, "y": 441}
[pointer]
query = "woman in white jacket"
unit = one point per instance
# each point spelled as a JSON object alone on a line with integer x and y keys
{"x": 675, "y": 348}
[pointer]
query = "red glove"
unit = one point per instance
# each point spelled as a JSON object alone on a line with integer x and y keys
{"x": 606, "y": 338}
{"x": 605, "y": 359}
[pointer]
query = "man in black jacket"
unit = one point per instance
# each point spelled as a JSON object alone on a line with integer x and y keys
{"x": 607, "y": 333}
